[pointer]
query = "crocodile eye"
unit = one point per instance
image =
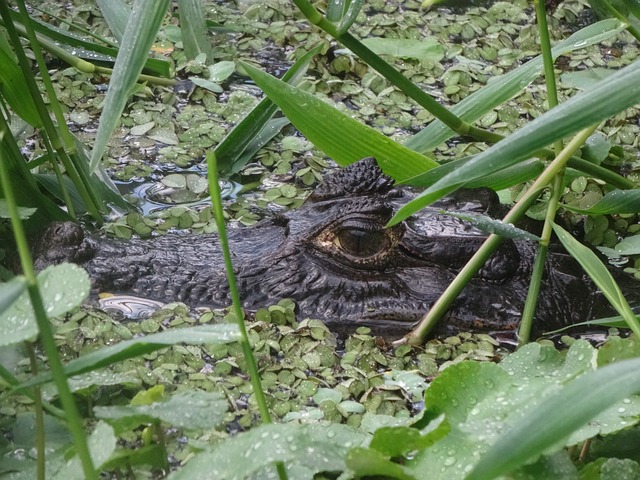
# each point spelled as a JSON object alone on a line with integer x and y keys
{"x": 360, "y": 242}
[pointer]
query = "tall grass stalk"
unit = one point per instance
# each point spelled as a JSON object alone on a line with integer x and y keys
{"x": 423, "y": 99}
{"x": 44, "y": 327}
{"x": 440, "y": 307}
{"x": 49, "y": 129}
{"x": 39, "y": 417}
{"x": 252, "y": 365}
{"x": 529, "y": 310}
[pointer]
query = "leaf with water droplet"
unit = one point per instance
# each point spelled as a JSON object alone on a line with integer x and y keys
{"x": 62, "y": 288}
{"x": 189, "y": 409}
{"x": 491, "y": 225}
{"x": 305, "y": 449}
{"x": 201, "y": 335}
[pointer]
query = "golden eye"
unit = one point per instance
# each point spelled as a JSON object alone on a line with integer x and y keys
{"x": 359, "y": 242}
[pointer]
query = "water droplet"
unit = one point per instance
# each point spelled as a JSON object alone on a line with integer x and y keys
{"x": 449, "y": 461}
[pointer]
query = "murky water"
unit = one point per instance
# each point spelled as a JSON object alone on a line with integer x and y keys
{"x": 186, "y": 187}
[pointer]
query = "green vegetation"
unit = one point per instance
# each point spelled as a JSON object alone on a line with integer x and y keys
{"x": 84, "y": 393}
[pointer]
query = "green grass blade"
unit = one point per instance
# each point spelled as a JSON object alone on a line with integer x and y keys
{"x": 231, "y": 151}
{"x": 350, "y": 15}
{"x": 338, "y": 135}
{"x": 616, "y": 201}
{"x": 558, "y": 416}
{"x": 193, "y": 27}
{"x": 139, "y": 35}
{"x": 503, "y": 88}
{"x": 116, "y": 13}
{"x": 618, "y": 92}
{"x": 72, "y": 42}
{"x": 14, "y": 90}
{"x": 600, "y": 276}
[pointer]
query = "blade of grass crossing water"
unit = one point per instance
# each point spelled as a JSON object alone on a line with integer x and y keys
{"x": 252, "y": 365}
{"x": 617, "y": 93}
{"x": 501, "y": 89}
{"x": 143, "y": 24}
{"x": 337, "y": 134}
{"x": 44, "y": 327}
{"x": 600, "y": 276}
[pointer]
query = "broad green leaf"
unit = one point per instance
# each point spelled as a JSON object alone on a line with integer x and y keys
{"x": 220, "y": 71}
{"x": 585, "y": 79}
{"x": 139, "y": 35}
{"x": 234, "y": 152}
{"x": 616, "y": 201}
{"x": 102, "y": 443}
{"x": 116, "y": 13}
{"x": 561, "y": 413}
{"x": 365, "y": 462}
{"x": 422, "y": 49}
{"x": 10, "y": 291}
{"x": 194, "y": 30}
{"x": 23, "y": 212}
{"x": 599, "y": 274}
{"x": 305, "y": 450}
{"x": 200, "y": 335}
{"x": 62, "y": 287}
{"x": 395, "y": 441}
{"x": 189, "y": 409}
{"x": 626, "y": 247}
{"x": 14, "y": 90}
{"x": 482, "y": 402}
{"x": 491, "y": 225}
{"x": 336, "y": 134}
{"x": 501, "y": 89}
{"x": 620, "y": 91}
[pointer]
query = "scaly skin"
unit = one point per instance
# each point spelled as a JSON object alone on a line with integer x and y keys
{"x": 335, "y": 259}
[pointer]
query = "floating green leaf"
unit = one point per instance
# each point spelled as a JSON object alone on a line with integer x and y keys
{"x": 501, "y": 89}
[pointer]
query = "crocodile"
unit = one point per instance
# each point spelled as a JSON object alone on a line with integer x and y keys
{"x": 334, "y": 257}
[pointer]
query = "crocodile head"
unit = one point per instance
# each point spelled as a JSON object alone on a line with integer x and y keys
{"x": 336, "y": 259}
